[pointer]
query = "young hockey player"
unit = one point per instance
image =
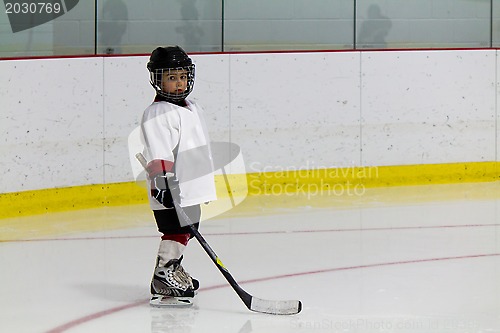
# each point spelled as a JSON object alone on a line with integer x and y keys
{"x": 179, "y": 168}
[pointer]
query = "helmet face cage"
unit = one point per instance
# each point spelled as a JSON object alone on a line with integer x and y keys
{"x": 157, "y": 75}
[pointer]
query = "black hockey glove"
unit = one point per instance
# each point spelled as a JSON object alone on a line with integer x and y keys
{"x": 163, "y": 188}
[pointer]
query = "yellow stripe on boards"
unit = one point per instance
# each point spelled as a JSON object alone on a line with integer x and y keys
{"x": 343, "y": 179}
{"x": 277, "y": 182}
{"x": 70, "y": 198}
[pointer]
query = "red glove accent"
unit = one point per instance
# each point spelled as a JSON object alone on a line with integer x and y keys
{"x": 158, "y": 167}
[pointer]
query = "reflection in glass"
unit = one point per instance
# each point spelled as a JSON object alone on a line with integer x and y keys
{"x": 374, "y": 29}
{"x": 131, "y": 27}
{"x": 112, "y": 26}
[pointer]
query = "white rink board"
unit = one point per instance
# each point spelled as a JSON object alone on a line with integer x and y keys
{"x": 125, "y": 98}
{"x": 296, "y": 110}
{"x": 428, "y": 107}
{"x": 51, "y": 123}
{"x": 65, "y": 122}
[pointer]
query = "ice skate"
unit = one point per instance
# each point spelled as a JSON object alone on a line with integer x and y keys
{"x": 172, "y": 286}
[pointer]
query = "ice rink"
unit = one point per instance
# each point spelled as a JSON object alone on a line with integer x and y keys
{"x": 404, "y": 259}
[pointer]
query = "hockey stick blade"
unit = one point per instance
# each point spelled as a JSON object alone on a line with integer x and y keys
{"x": 275, "y": 307}
{"x": 252, "y": 303}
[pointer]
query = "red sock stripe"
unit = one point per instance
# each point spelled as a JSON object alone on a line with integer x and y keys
{"x": 179, "y": 238}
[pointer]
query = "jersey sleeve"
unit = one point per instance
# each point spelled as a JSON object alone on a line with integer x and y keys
{"x": 160, "y": 133}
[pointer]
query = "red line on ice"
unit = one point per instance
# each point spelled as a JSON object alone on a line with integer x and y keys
{"x": 100, "y": 314}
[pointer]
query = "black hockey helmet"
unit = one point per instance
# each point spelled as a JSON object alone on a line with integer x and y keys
{"x": 165, "y": 60}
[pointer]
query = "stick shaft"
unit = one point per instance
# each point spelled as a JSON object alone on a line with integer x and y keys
{"x": 141, "y": 160}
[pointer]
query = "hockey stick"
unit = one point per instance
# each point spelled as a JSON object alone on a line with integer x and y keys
{"x": 251, "y": 302}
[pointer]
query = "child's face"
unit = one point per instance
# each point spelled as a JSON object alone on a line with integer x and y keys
{"x": 175, "y": 81}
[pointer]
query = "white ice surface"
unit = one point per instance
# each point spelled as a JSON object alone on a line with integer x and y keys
{"x": 377, "y": 264}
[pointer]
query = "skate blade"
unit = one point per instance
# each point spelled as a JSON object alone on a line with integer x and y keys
{"x": 160, "y": 301}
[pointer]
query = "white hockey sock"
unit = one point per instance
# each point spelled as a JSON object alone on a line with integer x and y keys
{"x": 169, "y": 250}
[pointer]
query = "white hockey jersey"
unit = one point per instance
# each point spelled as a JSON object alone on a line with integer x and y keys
{"x": 179, "y": 135}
